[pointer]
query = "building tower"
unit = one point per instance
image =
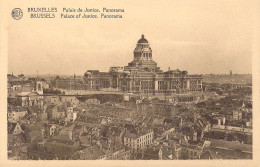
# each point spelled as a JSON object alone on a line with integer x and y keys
{"x": 143, "y": 58}
{"x": 143, "y": 50}
{"x": 39, "y": 88}
{"x": 230, "y": 73}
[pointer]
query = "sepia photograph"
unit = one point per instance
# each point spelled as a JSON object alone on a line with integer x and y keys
{"x": 139, "y": 81}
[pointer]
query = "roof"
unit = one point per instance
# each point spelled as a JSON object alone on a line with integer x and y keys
{"x": 34, "y": 134}
{"x": 18, "y": 138}
{"x": 231, "y": 154}
{"x": 210, "y": 154}
{"x": 150, "y": 153}
{"x": 159, "y": 121}
{"x": 36, "y": 126}
{"x": 62, "y": 139}
{"x": 166, "y": 152}
{"x": 131, "y": 135}
{"x": 11, "y": 127}
{"x": 222, "y": 144}
{"x": 34, "y": 109}
{"x": 142, "y": 40}
{"x": 116, "y": 146}
{"x": 91, "y": 153}
{"x": 137, "y": 134}
{"x": 20, "y": 90}
{"x": 174, "y": 121}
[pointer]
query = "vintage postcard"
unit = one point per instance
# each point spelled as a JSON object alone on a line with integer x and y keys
{"x": 130, "y": 83}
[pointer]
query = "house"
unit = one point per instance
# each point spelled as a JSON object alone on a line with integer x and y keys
{"x": 237, "y": 115}
{"x": 138, "y": 140}
{"x": 77, "y": 131}
{"x": 70, "y": 99}
{"x": 169, "y": 153}
{"x": 114, "y": 150}
{"x": 72, "y": 130}
{"x": 52, "y": 112}
{"x": 67, "y": 130}
{"x": 56, "y": 112}
{"x": 51, "y": 130}
{"x": 30, "y": 99}
{"x": 52, "y": 100}
{"x": 15, "y": 115}
{"x": 19, "y": 89}
{"x": 71, "y": 115}
{"x": 86, "y": 138}
{"x": 191, "y": 151}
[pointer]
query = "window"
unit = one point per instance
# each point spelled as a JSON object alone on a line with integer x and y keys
{"x": 39, "y": 87}
{"x": 160, "y": 85}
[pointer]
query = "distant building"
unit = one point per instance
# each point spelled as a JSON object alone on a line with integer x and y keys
{"x": 142, "y": 75}
{"x": 74, "y": 83}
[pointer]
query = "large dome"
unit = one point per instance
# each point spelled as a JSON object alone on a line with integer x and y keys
{"x": 142, "y": 40}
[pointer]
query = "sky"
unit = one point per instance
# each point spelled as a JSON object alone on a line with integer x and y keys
{"x": 201, "y": 37}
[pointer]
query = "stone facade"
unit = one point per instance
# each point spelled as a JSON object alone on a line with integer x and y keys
{"x": 142, "y": 75}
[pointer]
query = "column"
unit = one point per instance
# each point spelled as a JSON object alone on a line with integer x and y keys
{"x": 117, "y": 82}
{"x": 156, "y": 85}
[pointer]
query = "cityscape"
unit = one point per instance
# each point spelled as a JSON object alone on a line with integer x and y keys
{"x": 132, "y": 112}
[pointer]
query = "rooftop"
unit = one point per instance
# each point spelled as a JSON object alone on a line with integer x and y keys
{"x": 142, "y": 40}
